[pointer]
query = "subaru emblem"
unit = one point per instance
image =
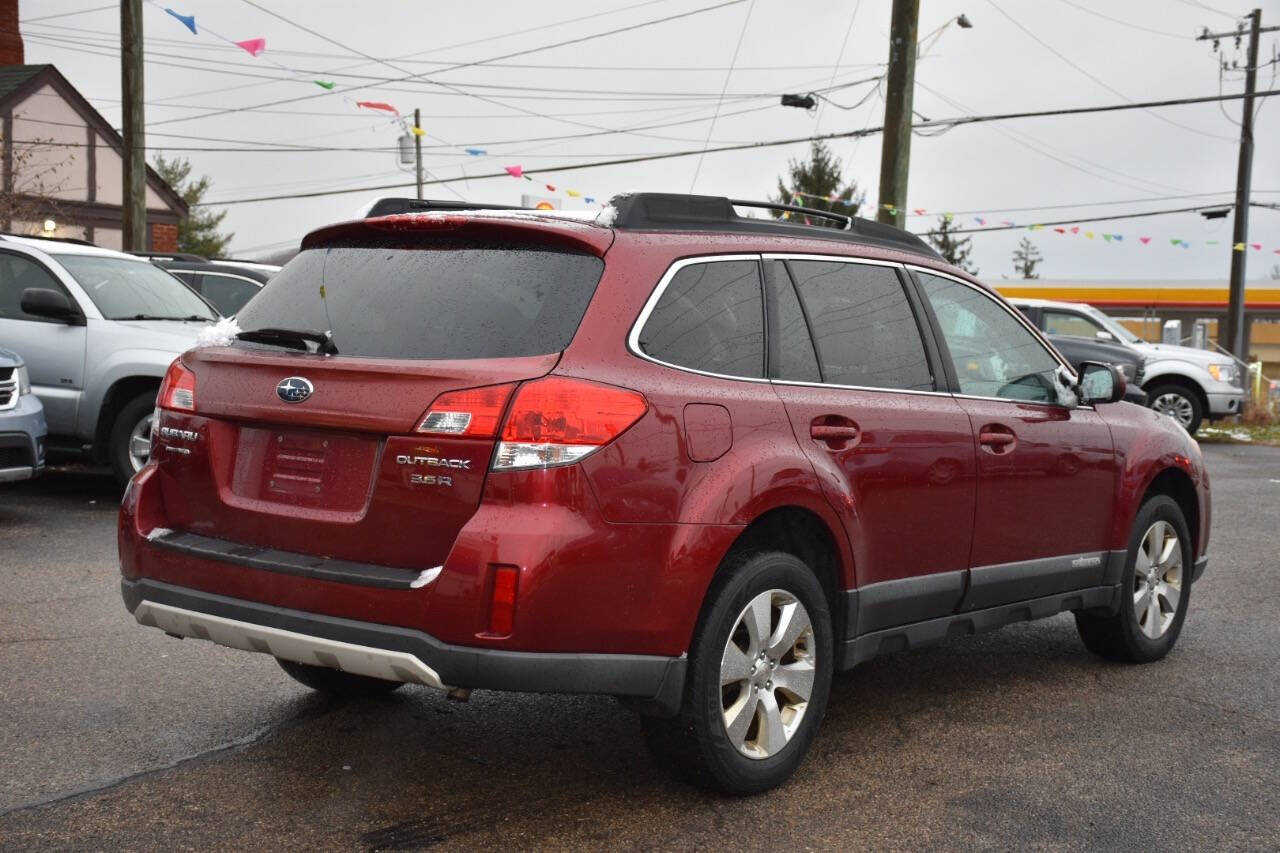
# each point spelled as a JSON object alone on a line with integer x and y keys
{"x": 294, "y": 389}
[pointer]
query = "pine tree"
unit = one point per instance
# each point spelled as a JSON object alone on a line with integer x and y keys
{"x": 1025, "y": 258}
{"x": 818, "y": 183}
{"x": 954, "y": 250}
{"x": 198, "y": 233}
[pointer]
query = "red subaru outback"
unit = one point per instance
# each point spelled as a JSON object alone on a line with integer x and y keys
{"x": 697, "y": 460}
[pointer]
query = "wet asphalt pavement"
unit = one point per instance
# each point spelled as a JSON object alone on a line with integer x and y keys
{"x": 116, "y": 736}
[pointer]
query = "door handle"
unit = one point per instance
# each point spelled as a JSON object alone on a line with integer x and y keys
{"x": 833, "y": 432}
{"x": 997, "y": 439}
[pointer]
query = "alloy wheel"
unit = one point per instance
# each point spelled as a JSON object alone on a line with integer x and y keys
{"x": 1176, "y": 406}
{"x": 140, "y": 443}
{"x": 767, "y": 673}
{"x": 1157, "y": 579}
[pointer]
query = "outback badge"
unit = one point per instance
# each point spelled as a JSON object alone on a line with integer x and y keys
{"x": 294, "y": 389}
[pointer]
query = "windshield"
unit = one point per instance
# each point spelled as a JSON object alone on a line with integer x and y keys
{"x": 1112, "y": 326}
{"x": 126, "y": 290}
{"x": 451, "y": 302}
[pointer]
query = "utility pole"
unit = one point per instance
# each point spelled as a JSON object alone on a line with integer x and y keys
{"x": 895, "y": 150}
{"x": 417, "y": 148}
{"x": 1234, "y": 333}
{"x": 134, "y": 197}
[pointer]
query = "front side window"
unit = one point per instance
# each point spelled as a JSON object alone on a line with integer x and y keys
{"x": 994, "y": 355}
{"x": 18, "y": 274}
{"x": 124, "y": 289}
{"x": 863, "y": 326}
{"x": 1070, "y": 323}
{"x": 710, "y": 318}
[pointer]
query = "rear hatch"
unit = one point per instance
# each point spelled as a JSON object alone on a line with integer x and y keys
{"x": 326, "y": 455}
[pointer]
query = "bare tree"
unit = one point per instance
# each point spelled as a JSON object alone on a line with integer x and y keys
{"x": 32, "y": 199}
{"x": 1026, "y": 258}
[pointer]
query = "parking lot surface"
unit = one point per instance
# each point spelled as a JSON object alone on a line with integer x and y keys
{"x": 116, "y": 736}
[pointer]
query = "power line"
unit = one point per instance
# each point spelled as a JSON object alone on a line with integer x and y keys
{"x": 995, "y": 209}
{"x": 511, "y": 55}
{"x": 1058, "y": 155}
{"x": 779, "y": 142}
{"x": 1139, "y": 215}
{"x": 1104, "y": 84}
{"x": 111, "y": 38}
{"x": 1106, "y": 17}
{"x": 723, "y": 89}
{"x": 68, "y": 14}
{"x": 1197, "y": 5}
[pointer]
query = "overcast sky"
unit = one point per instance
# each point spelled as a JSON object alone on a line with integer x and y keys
{"x": 1019, "y": 55}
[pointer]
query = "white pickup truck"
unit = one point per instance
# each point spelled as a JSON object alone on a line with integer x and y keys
{"x": 1186, "y": 383}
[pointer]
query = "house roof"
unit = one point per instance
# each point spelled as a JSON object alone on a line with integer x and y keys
{"x": 18, "y": 81}
{"x": 13, "y": 76}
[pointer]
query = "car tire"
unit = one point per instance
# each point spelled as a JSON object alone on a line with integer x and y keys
{"x": 132, "y": 422}
{"x": 1154, "y": 593}
{"x": 335, "y": 682}
{"x": 775, "y": 722}
{"x": 1178, "y": 401}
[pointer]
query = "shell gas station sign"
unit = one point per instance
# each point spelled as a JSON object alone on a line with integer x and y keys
{"x": 538, "y": 202}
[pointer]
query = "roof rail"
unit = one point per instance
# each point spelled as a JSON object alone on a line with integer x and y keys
{"x": 76, "y": 240}
{"x": 170, "y": 256}
{"x": 678, "y": 212}
{"x": 390, "y": 206}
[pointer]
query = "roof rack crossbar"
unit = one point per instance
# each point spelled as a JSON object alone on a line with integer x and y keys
{"x": 846, "y": 221}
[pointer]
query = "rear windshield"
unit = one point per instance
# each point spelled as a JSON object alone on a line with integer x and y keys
{"x": 431, "y": 303}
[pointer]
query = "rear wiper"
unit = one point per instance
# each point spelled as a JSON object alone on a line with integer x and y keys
{"x": 295, "y": 338}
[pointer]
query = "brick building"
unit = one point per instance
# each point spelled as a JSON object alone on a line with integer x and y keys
{"x": 62, "y": 162}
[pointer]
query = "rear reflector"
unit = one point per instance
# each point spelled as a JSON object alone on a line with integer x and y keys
{"x": 558, "y": 420}
{"x": 178, "y": 390}
{"x": 473, "y": 412}
{"x": 502, "y": 609}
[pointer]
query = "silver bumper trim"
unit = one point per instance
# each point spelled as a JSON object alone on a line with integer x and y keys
{"x": 302, "y": 648}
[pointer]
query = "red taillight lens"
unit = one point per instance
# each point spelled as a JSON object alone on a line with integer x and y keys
{"x": 502, "y": 607}
{"x": 472, "y": 413}
{"x": 557, "y": 421}
{"x": 178, "y": 390}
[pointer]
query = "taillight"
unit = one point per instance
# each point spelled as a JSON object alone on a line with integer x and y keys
{"x": 557, "y": 421}
{"x": 472, "y": 413}
{"x": 178, "y": 390}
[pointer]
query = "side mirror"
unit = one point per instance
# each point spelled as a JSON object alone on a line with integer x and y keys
{"x": 1100, "y": 383}
{"x": 1104, "y": 336}
{"x": 42, "y": 302}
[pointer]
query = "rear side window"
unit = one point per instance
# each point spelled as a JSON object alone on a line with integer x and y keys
{"x": 228, "y": 293}
{"x": 491, "y": 301}
{"x": 791, "y": 355}
{"x": 710, "y": 318}
{"x": 863, "y": 325}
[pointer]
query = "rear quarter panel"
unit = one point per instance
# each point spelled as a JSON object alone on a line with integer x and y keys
{"x": 647, "y": 476}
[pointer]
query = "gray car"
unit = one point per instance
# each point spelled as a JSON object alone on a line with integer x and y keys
{"x": 22, "y": 427}
{"x": 97, "y": 329}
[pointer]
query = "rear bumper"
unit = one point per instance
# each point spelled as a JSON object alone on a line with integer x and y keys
{"x": 394, "y": 653}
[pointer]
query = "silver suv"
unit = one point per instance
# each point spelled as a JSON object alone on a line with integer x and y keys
{"x": 97, "y": 330}
{"x": 1185, "y": 383}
